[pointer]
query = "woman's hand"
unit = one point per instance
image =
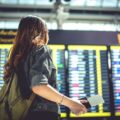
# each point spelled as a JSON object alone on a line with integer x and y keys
{"x": 83, "y": 101}
{"x": 49, "y": 93}
{"x": 77, "y": 107}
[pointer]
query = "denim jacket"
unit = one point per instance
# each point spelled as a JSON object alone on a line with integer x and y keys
{"x": 40, "y": 70}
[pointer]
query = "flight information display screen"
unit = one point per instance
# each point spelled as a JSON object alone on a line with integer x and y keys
{"x": 4, "y": 50}
{"x": 115, "y": 60}
{"x": 58, "y": 55}
{"x": 88, "y": 76}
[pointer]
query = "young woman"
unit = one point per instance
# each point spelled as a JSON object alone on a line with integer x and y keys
{"x": 30, "y": 60}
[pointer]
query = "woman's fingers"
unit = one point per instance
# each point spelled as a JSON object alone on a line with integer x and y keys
{"x": 83, "y": 101}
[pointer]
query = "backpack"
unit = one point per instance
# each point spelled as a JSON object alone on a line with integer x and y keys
{"x": 12, "y": 105}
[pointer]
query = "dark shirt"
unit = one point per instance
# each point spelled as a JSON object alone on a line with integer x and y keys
{"x": 40, "y": 70}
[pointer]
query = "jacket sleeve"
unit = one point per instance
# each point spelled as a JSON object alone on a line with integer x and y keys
{"x": 39, "y": 72}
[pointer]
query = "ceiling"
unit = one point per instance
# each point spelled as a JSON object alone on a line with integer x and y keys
{"x": 101, "y": 10}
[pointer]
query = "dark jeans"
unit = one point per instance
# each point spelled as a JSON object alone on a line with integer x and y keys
{"x": 42, "y": 115}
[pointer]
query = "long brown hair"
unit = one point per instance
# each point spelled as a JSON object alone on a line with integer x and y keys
{"x": 29, "y": 28}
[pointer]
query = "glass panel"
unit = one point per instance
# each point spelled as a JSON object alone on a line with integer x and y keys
{"x": 93, "y": 3}
{"x": 109, "y": 3}
{"x": 69, "y": 26}
{"x": 76, "y": 26}
{"x": 117, "y": 26}
{"x": 52, "y": 25}
{"x": 90, "y": 26}
{"x": 2, "y": 25}
{"x": 11, "y": 25}
{"x": 95, "y": 26}
{"x": 26, "y": 2}
{"x": 77, "y": 2}
{"x": 103, "y": 27}
{"x": 44, "y": 2}
{"x": 118, "y": 3}
{"x": 9, "y": 1}
{"x": 110, "y": 27}
{"x": 98, "y": 26}
{"x": 83, "y": 26}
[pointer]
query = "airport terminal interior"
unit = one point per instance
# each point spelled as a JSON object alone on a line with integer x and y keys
{"x": 84, "y": 36}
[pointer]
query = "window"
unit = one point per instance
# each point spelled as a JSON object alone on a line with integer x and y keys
{"x": 77, "y": 2}
{"x": 93, "y": 3}
{"x": 109, "y": 3}
{"x": 26, "y": 2}
{"x": 9, "y": 1}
